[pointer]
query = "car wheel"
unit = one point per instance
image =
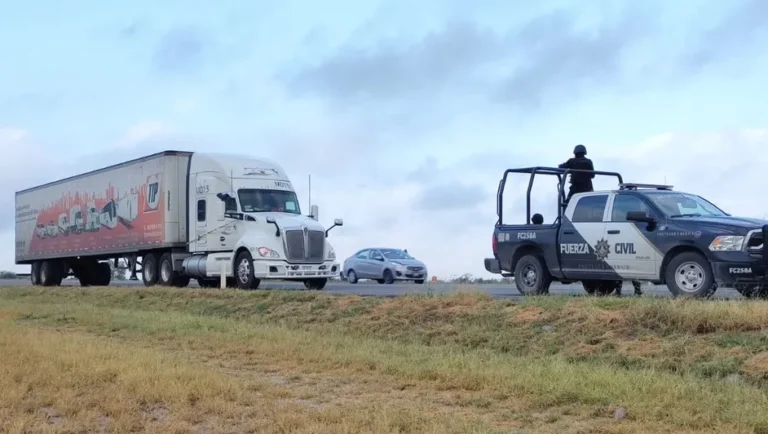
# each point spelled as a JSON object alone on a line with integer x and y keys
{"x": 244, "y": 272}
{"x": 532, "y": 276}
{"x": 689, "y": 274}
{"x": 351, "y": 277}
{"x": 388, "y": 277}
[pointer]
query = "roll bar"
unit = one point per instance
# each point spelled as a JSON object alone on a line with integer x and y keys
{"x": 539, "y": 170}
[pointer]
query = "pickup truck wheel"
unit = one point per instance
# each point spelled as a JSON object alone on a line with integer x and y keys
{"x": 689, "y": 274}
{"x": 532, "y": 276}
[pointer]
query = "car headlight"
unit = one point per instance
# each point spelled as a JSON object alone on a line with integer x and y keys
{"x": 399, "y": 266}
{"x": 727, "y": 243}
{"x": 266, "y": 252}
{"x": 331, "y": 254}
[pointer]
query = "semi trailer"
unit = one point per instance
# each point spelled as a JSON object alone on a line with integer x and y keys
{"x": 174, "y": 216}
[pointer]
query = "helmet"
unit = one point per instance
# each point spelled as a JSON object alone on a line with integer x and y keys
{"x": 580, "y": 149}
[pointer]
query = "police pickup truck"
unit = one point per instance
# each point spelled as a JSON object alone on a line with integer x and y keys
{"x": 638, "y": 232}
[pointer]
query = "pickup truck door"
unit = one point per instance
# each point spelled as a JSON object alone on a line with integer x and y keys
{"x": 632, "y": 254}
{"x": 582, "y": 245}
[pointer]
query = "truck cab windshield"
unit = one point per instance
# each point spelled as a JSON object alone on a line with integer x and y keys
{"x": 263, "y": 200}
{"x": 685, "y": 205}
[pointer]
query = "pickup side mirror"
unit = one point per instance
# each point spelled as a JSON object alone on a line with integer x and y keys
{"x": 337, "y": 222}
{"x": 639, "y": 216}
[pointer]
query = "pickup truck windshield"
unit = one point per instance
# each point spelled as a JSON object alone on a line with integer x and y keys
{"x": 684, "y": 205}
{"x": 262, "y": 200}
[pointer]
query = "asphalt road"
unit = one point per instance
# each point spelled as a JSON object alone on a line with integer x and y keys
{"x": 367, "y": 288}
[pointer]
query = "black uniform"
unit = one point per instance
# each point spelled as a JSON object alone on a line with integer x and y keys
{"x": 580, "y": 182}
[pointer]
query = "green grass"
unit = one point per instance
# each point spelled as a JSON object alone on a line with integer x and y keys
{"x": 541, "y": 364}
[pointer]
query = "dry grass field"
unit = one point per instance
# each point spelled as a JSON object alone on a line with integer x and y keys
{"x": 208, "y": 361}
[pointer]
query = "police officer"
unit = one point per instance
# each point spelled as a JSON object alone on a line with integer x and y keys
{"x": 580, "y": 182}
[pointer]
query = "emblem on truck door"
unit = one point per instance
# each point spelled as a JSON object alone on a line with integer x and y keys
{"x": 602, "y": 249}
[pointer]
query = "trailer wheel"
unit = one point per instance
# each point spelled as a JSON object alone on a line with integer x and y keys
{"x": 34, "y": 273}
{"x": 532, "y": 276}
{"x": 149, "y": 272}
{"x": 50, "y": 274}
{"x": 102, "y": 274}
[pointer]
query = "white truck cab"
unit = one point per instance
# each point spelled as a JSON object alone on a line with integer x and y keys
{"x": 244, "y": 220}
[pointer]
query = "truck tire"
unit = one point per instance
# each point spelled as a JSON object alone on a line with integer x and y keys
{"x": 149, "y": 268}
{"x": 689, "y": 274}
{"x": 167, "y": 276}
{"x": 315, "y": 284}
{"x": 102, "y": 274}
{"x": 532, "y": 276}
{"x": 50, "y": 273}
{"x": 244, "y": 272}
{"x": 34, "y": 273}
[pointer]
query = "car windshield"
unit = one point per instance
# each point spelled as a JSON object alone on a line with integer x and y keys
{"x": 262, "y": 200}
{"x": 685, "y": 205}
{"x": 395, "y": 254}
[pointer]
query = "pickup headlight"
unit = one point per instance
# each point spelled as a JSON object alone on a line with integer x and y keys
{"x": 727, "y": 243}
{"x": 266, "y": 252}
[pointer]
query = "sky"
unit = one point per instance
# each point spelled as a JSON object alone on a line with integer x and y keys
{"x": 405, "y": 114}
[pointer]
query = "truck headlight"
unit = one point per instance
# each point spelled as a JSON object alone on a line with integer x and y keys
{"x": 727, "y": 243}
{"x": 331, "y": 254}
{"x": 266, "y": 252}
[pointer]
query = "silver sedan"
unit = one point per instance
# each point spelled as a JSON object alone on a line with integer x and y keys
{"x": 384, "y": 265}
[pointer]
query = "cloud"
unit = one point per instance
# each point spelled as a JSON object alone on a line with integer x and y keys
{"x": 181, "y": 49}
{"x": 522, "y": 64}
{"x": 449, "y": 197}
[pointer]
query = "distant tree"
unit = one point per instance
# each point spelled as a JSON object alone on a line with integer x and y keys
{"x": 7, "y": 275}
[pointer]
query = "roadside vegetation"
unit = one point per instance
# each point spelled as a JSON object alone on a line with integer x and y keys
{"x": 167, "y": 360}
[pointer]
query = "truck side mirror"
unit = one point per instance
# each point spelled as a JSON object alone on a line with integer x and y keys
{"x": 314, "y": 212}
{"x": 337, "y": 222}
{"x": 271, "y": 220}
{"x": 639, "y": 216}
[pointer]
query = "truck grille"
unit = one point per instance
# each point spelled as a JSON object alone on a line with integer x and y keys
{"x": 304, "y": 248}
{"x": 755, "y": 241}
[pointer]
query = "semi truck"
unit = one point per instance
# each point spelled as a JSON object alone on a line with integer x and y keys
{"x": 178, "y": 216}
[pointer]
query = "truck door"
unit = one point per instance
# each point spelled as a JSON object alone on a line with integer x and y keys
{"x": 202, "y": 213}
{"x": 582, "y": 247}
{"x": 632, "y": 254}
